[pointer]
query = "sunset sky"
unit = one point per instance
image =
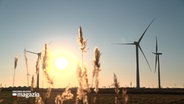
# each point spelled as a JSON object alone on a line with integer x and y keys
{"x": 31, "y": 24}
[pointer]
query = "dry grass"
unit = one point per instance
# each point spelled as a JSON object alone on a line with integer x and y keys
{"x": 81, "y": 41}
{"x": 105, "y": 97}
{"x": 15, "y": 62}
{"x": 116, "y": 86}
{"x": 66, "y": 95}
{"x": 96, "y": 69}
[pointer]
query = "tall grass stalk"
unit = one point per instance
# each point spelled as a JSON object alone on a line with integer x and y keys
{"x": 45, "y": 65}
{"x": 82, "y": 42}
{"x": 86, "y": 88}
{"x": 116, "y": 86}
{"x": 80, "y": 92}
{"x": 15, "y": 66}
{"x": 83, "y": 86}
{"x": 85, "y": 80}
{"x": 26, "y": 60}
{"x": 96, "y": 71}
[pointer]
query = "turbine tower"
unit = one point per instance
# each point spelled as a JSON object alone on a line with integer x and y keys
{"x": 157, "y": 60}
{"x": 137, "y": 45}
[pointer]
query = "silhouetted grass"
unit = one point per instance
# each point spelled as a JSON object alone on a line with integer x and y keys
{"x": 106, "y": 96}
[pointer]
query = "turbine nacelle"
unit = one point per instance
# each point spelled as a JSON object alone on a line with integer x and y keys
{"x": 156, "y": 53}
{"x": 136, "y": 43}
{"x": 157, "y": 63}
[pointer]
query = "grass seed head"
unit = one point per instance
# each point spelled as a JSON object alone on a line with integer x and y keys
{"x": 116, "y": 84}
{"x": 82, "y": 43}
{"x": 45, "y": 65}
{"x": 15, "y": 62}
{"x": 97, "y": 57}
{"x": 96, "y": 69}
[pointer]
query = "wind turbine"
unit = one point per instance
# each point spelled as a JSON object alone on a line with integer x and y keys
{"x": 157, "y": 60}
{"x": 137, "y": 45}
{"x": 37, "y": 62}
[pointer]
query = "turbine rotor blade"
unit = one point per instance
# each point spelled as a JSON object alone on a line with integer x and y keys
{"x": 156, "y": 45}
{"x": 123, "y": 43}
{"x": 145, "y": 57}
{"x": 145, "y": 31}
{"x": 30, "y": 52}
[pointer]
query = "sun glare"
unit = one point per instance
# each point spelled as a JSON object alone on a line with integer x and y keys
{"x": 61, "y": 63}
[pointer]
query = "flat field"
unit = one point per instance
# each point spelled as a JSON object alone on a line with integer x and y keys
{"x": 105, "y": 96}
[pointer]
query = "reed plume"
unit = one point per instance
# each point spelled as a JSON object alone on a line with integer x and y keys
{"x": 45, "y": 65}
{"x": 45, "y": 57}
{"x": 83, "y": 86}
{"x": 116, "y": 86}
{"x": 15, "y": 62}
{"x": 66, "y": 95}
{"x": 82, "y": 42}
{"x": 80, "y": 92}
{"x": 96, "y": 68}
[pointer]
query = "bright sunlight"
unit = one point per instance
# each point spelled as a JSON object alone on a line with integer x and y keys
{"x": 61, "y": 63}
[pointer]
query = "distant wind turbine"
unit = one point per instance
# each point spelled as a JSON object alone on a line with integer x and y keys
{"x": 37, "y": 65}
{"x": 137, "y": 45}
{"x": 157, "y": 60}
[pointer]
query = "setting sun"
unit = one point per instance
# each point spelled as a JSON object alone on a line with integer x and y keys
{"x": 61, "y": 63}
